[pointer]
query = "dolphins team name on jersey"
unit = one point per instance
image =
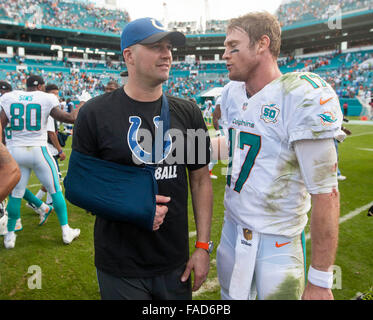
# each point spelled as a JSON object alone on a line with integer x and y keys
{"x": 265, "y": 190}
{"x": 27, "y": 112}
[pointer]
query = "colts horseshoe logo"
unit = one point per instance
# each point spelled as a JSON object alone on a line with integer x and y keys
{"x": 156, "y": 24}
{"x": 137, "y": 150}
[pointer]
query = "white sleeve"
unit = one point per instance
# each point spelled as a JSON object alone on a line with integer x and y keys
{"x": 318, "y": 164}
{"x": 54, "y": 102}
{"x": 50, "y": 124}
{"x": 315, "y": 113}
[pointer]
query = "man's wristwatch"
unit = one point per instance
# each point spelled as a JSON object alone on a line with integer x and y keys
{"x": 208, "y": 246}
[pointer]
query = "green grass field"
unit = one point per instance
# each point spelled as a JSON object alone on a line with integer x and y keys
{"x": 68, "y": 272}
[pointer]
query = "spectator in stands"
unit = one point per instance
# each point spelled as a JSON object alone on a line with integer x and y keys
{"x": 124, "y": 77}
{"x": 345, "y": 108}
{"x": 111, "y": 86}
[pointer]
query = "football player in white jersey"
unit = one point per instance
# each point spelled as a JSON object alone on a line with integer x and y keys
{"x": 41, "y": 208}
{"x": 9, "y": 170}
{"x": 27, "y": 112}
{"x": 281, "y": 156}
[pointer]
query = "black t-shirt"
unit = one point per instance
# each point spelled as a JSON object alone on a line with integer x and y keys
{"x": 102, "y": 130}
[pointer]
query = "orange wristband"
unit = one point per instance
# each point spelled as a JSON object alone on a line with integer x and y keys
{"x": 202, "y": 245}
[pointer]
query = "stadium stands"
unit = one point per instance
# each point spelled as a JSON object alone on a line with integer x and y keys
{"x": 290, "y": 13}
{"x": 189, "y": 80}
{"x": 297, "y": 12}
{"x": 77, "y": 16}
{"x": 343, "y": 70}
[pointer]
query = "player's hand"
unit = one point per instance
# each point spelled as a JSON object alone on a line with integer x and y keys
{"x": 346, "y": 131}
{"x": 160, "y": 211}
{"x": 76, "y": 110}
{"x": 62, "y": 156}
{"x": 200, "y": 263}
{"x": 312, "y": 292}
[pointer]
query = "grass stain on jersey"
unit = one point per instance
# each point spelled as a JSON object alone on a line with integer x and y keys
{"x": 280, "y": 187}
{"x": 323, "y": 170}
{"x": 306, "y": 103}
{"x": 291, "y": 81}
{"x": 289, "y": 289}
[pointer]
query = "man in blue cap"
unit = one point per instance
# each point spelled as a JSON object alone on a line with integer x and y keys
{"x": 134, "y": 262}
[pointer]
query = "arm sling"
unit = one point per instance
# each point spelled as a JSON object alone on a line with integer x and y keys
{"x": 114, "y": 191}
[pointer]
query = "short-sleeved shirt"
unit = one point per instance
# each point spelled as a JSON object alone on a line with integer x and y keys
{"x": 106, "y": 128}
{"x": 28, "y": 112}
{"x": 51, "y": 126}
{"x": 265, "y": 191}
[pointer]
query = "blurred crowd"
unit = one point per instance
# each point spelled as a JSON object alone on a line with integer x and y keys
{"x": 346, "y": 72}
{"x": 304, "y": 10}
{"x": 77, "y": 15}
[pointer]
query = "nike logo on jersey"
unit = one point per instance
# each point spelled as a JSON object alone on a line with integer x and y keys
{"x": 279, "y": 245}
{"x": 325, "y": 101}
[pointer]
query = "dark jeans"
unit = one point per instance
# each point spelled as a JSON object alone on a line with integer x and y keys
{"x": 164, "y": 287}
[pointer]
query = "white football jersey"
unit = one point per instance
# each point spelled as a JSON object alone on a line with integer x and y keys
{"x": 27, "y": 112}
{"x": 265, "y": 190}
{"x": 51, "y": 127}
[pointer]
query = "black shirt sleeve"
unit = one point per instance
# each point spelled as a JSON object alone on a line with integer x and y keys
{"x": 201, "y": 141}
{"x": 85, "y": 132}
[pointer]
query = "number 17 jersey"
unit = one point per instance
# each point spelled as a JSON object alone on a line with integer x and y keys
{"x": 265, "y": 191}
{"x": 27, "y": 112}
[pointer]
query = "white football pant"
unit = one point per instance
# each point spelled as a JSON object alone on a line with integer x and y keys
{"x": 251, "y": 264}
{"x": 41, "y": 161}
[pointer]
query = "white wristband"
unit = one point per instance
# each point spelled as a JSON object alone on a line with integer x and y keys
{"x": 320, "y": 278}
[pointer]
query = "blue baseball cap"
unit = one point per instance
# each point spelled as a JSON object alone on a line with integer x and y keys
{"x": 147, "y": 31}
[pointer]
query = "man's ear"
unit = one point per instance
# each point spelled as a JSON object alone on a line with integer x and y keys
{"x": 128, "y": 55}
{"x": 263, "y": 43}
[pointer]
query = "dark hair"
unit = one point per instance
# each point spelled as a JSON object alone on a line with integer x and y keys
{"x": 5, "y": 86}
{"x": 34, "y": 81}
{"x": 114, "y": 83}
{"x": 50, "y": 86}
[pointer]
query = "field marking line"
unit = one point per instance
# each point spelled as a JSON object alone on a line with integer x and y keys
{"x": 208, "y": 286}
{"x": 359, "y": 134}
{"x": 365, "y": 149}
{"x": 192, "y": 234}
{"x": 349, "y": 215}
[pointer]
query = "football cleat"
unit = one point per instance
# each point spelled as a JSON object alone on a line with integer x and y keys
{"x": 32, "y": 206}
{"x": 18, "y": 226}
{"x": 370, "y": 212}
{"x": 69, "y": 235}
{"x": 10, "y": 240}
{"x": 44, "y": 211}
{"x": 340, "y": 177}
{"x": 212, "y": 176}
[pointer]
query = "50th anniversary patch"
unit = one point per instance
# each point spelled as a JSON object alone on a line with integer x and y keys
{"x": 270, "y": 113}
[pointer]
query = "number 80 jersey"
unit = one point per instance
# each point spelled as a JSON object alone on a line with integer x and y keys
{"x": 265, "y": 190}
{"x": 27, "y": 112}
